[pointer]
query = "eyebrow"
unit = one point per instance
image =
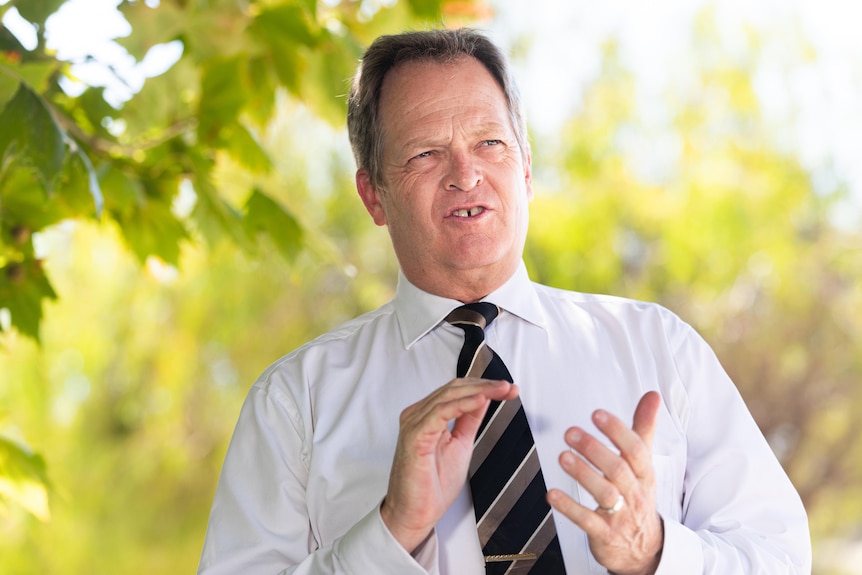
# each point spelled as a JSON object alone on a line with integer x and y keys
{"x": 499, "y": 130}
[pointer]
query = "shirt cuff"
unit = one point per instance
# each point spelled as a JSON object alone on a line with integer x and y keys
{"x": 369, "y": 547}
{"x": 682, "y": 551}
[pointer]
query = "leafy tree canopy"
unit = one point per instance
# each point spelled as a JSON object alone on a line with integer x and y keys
{"x": 68, "y": 156}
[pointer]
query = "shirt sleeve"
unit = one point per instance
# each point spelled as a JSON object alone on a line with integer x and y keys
{"x": 259, "y": 523}
{"x": 740, "y": 512}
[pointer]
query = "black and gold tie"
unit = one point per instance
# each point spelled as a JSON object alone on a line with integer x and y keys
{"x": 516, "y": 526}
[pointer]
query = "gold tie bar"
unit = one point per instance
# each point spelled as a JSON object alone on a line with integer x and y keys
{"x": 510, "y": 557}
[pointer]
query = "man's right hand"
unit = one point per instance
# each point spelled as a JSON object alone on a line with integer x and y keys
{"x": 431, "y": 461}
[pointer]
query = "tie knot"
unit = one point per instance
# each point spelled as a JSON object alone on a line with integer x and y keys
{"x": 480, "y": 314}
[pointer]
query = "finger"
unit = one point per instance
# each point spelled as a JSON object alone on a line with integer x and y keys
{"x": 587, "y": 519}
{"x": 454, "y": 391}
{"x": 615, "y": 467}
{"x": 467, "y": 423}
{"x": 464, "y": 401}
{"x": 491, "y": 388}
{"x": 502, "y": 390}
{"x": 603, "y": 491}
{"x": 470, "y": 406}
{"x": 646, "y": 416}
{"x": 635, "y": 444}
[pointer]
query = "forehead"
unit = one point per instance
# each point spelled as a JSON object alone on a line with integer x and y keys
{"x": 418, "y": 93}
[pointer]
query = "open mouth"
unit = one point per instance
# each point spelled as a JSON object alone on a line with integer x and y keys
{"x": 468, "y": 213}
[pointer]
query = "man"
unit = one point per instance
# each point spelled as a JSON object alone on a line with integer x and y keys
{"x": 323, "y": 476}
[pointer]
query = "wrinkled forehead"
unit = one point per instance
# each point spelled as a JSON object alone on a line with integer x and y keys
{"x": 419, "y": 89}
{"x": 421, "y": 70}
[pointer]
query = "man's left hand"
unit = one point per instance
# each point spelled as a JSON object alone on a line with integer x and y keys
{"x": 625, "y": 535}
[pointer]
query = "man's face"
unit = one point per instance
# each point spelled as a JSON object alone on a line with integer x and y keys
{"x": 455, "y": 182}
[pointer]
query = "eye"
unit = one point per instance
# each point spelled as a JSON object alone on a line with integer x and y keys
{"x": 422, "y": 155}
{"x": 492, "y": 142}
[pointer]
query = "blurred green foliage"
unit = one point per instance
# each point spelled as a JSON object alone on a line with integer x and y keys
{"x": 59, "y": 152}
{"x": 151, "y": 326}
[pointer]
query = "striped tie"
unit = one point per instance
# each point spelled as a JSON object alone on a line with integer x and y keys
{"x": 516, "y": 527}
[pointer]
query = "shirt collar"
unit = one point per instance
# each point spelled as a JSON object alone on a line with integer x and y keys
{"x": 418, "y": 312}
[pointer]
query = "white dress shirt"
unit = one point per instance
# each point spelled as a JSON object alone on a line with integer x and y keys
{"x": 309, "y": 461}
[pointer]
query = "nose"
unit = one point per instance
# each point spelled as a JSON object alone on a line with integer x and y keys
{"x": 463, "y": 174}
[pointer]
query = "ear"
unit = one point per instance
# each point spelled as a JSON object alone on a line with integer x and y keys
{"x": 528, "y": 174}
{"x": 370, "y": 197}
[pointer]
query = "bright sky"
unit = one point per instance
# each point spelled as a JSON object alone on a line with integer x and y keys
{"x": 817, "y": 103}
{"x": 83, "y": 28}
{"x": 816, "y": 100}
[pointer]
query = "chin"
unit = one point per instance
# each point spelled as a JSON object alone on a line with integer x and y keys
{"x": 492, "y": 268}
{"x": 473, "y": 261}
{"x": 474, "y": 255}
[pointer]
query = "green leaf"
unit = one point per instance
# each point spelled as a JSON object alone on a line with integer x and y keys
{"x": 8, "y": 41}
{"x": 291, "y": 20}
{"x": 8, "y": 85}
{"x": 37, "y": 11}
{"x": 217, "y": 31}
{"x": 141, "y": 207}
{"x": 23, "y": 478}
{"x": 23, "y": 288}
{"x": 261, "y": 97}
{"x": 28, "y": 130}
{"x": 163, "y": 101}
{"x": 263, "y": 215}
{"x": 222, "y": 96}
{"x": 427, "y": 9}
{"x": 290, "y": 62}
{"x": 286, "y": 33}
{"x": 327, "y": 82}
{"x": 153, "y": 229}
{"x": 214, "y": 215}
{"x": 123, "y": 193}
{"x": 37, "y": 74}
{"x": 22, "y": 196}
{"x": 76, "y": 192}
{"x": 95, "y": 109}
{"x": 245, "y": 148}
{"x": 151, "y": 26}
{"x": 80, "y": 182}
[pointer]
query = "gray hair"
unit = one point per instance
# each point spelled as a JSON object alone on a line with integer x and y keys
{"x": 442, "y": 46}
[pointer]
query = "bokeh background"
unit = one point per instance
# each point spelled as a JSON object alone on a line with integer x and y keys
{"x": 177, "y": 211}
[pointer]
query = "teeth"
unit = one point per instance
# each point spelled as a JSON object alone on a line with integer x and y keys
{"x": 468, "y": 213}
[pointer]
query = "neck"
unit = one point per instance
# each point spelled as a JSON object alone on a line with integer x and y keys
{"x": 466, "y": 287}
